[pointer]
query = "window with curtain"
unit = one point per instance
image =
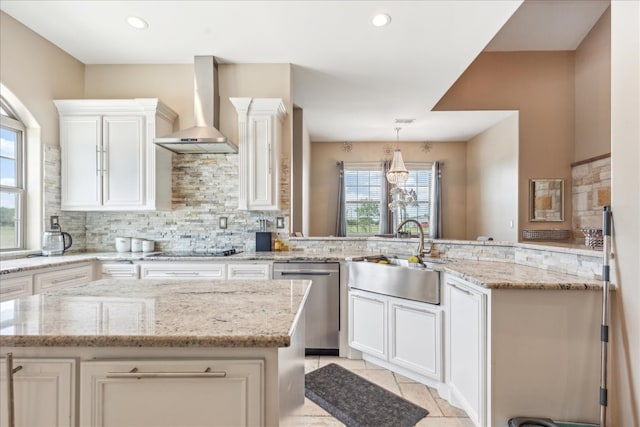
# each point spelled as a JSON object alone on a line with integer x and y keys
{"x": 365, "y": 187}
{"x": 12, "y": 191}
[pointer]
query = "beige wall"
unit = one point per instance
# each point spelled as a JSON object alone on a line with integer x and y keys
{"x": 297, "y": 170}
{"x": 173, "y": 84}
{"x": 306, "y": 180}
{"x": 492, "y": 182}
{"x": 301, "y": 170}
{"x": 625, "y": 185}
{"x": 37, "y": 72}
{"x": 593, "y": 92}
{"x": 539, "y": 85}
{"x": 324, "y": 179}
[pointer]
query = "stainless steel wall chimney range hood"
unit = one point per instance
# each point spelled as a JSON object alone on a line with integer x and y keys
{"x": 204, "y": 137}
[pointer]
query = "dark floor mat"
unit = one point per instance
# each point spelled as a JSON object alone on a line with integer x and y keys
{"x": 358, "y": 402}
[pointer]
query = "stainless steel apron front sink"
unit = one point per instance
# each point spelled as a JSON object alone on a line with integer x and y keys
{"x": 417, "y": 284}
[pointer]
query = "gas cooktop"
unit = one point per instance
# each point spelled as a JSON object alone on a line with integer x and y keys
{"x": 226, "y": 252}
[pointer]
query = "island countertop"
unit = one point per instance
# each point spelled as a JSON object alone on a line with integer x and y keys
{"x": 157, "y": 313}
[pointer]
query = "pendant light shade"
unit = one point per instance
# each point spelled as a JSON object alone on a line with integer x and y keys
{"x": 398, "y": 173}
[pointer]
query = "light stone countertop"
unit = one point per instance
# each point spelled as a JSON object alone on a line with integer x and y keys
{"x": 507, "y": 275}
{"x": 157, "y": 313}
{"x": 33, "y": 263}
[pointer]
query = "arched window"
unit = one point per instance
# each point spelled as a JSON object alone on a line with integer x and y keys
{"x": 12, "y": 180}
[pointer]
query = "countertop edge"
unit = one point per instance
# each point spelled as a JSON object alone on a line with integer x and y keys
{"x": 132, "y": 341}
{"x": 580, "y": 284}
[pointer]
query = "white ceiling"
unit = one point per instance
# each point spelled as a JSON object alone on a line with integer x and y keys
{"x": 351, "y": 79}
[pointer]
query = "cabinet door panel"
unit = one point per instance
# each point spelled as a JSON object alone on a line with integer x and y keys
{"x": 80, "y": 146}
{"x": 44, "y": 393}
{"x": 16, "y": 287}
{"x": 415, "y": 332}
{"x": 367, "y": 324}
{"x": 123, "y": 160}
{"x": 260, "y": 160}
{"x": 466, "y": 353}
{"x": 232, "y": 400}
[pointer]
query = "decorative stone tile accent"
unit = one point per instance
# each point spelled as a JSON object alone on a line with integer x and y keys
{"x": 591, "y": 190}
{"x": 71, "y": 222}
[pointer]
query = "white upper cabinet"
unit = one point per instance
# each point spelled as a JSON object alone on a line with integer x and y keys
{"x": 259, "y": 136}
{"x": 108, "y": 158}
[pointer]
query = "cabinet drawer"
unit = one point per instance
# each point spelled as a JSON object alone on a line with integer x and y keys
{"x": 62, "y": 278}
{"x": 16, "y": 287}
{"x": 248, "y": 271}
{"x": 119, "y": 270}
{"x": 182, "y": 271}
{"x": 183, "y": 392}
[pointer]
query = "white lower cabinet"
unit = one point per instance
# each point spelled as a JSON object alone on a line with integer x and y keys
{"x": 405, "y": 333}
{"x": 466, "y": 348}
{"x": 415, "y": 337}
{"x": 182, "y": 270}
{"x": 62, "y": 277}
{"x": 44, "y": 392}
{"x": 368, "y": 323}
{"x": 172, "y": 393}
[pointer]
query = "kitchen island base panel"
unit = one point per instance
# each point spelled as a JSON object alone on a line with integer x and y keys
{"x": 283, "y": 379}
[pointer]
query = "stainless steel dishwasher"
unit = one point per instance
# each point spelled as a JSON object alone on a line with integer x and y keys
{"x": 323, "y": 304}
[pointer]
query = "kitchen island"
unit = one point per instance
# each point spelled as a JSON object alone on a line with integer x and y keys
{"x": 214, "y": 352}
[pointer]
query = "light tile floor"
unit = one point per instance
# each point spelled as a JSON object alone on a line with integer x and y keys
{"x": 441, "y": 413}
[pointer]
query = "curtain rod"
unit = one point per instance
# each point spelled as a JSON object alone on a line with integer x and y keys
{"x": 441, "y": 163}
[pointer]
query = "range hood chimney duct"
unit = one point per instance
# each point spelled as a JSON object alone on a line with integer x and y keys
{"x": 204, "y": 137}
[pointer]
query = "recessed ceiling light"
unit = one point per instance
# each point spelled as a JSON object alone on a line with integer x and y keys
{"x": 137, "y": 23}
{"x": 381, "y": 19}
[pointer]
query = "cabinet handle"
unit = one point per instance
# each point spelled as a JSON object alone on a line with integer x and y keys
{"x": 105, "y": 161}
{"x": 10, "y": 399}
{"x": 67, "y": 279}
{"x": 182, "y": 273}
{"x": 269, "y": 159}
{"x": 98, "y": 170}
{"x": 463, "y": 290}
{"x": 208, "y": 373}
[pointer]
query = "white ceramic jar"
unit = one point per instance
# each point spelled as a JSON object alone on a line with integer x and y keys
{"x": 136, "y": 245}
{"x": 148, "y": 245}
{"x": 123, "y": 244}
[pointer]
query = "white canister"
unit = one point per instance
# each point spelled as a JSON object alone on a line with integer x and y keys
{"x": 123, "y": 244}
{"x": 136, "y": 245}
{"x": 148, "y": 245}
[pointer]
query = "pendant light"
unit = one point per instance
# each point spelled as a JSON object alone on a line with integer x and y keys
{"x": 398, "y": 174}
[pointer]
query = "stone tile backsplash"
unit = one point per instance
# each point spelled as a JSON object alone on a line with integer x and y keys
{"x": 591, "y": 191}
{"x": 73, "y": 223}
{"x": 205, "y": 188}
